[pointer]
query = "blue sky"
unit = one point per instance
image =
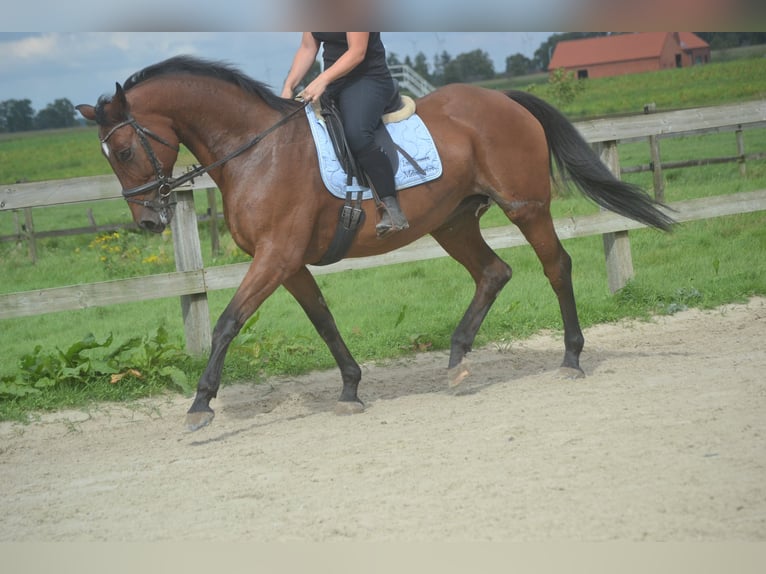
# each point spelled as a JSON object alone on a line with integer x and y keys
{"x": 81, "y": 66}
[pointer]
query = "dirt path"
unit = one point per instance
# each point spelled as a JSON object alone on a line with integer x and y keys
{"x": 664, "y": 440}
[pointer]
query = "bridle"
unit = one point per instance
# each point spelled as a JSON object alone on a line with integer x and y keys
{"x": 165, "y": 184}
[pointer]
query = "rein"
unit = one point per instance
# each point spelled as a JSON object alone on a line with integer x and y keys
{"x": 165, "y": 184}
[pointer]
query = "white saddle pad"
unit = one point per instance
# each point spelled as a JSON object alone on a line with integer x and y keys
{"x": 411, "y": 135}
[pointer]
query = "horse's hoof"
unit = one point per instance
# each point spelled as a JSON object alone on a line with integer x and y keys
{"x": 343, "y": 408}
{"x": 571, "y": 373}
{"x": 195, "y": 421}
{"x": 457, "y": 374}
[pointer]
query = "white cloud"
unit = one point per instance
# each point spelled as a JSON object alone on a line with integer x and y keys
{"x": 29, "y": 47}
{"x": 120, "y": 40}
{"x": 34, "y": 46}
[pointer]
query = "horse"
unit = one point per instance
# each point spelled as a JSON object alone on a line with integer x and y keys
{"x": 496, "y": 148}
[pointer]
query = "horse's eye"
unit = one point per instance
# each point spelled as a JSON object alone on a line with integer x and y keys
{"x": 125, "y": 154}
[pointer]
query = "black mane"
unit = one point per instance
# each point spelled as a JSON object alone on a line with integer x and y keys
{"x": 208, "y": 68}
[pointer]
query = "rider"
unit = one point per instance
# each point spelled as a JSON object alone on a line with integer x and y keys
{"x": 356, "y": 75}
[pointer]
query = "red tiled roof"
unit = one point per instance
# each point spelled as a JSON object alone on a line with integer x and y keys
{"x": 690, "y": 41}
{"x": 619, "y": 48}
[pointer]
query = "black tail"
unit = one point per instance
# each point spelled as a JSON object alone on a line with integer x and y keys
{"x": 575, "y": 157}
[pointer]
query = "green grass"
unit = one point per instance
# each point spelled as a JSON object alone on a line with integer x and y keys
{"x": 701, "y": 264}
{"x": 55, "y": 154}
{"x": 708, "y": 85}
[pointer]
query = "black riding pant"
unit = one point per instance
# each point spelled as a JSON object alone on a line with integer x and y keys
{"x": 361, "y": 103}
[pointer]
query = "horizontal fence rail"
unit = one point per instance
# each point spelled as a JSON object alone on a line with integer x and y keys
{"x": 674, "y": 123}
{"x": 193, "y": 281}
{"x": 229, "y": 276}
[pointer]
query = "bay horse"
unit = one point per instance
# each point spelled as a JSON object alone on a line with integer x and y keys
{"x": 495, "y": 147}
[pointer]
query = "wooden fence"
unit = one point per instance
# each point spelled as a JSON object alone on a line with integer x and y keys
{"x": 25, "y": 226}
{"x": 192, "y": 281}
{"x": 26, "y": 231}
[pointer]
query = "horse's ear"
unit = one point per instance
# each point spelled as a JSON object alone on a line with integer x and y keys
{"x": 88, "y": 112}
{"x": 119, "y": 102}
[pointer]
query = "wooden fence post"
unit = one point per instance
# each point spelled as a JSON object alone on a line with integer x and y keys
{"x": 619, "y": 261}
{"x": 215, "y": 241}
{"x": 188, "y": 253}
{"x": 659, "y": 181}
{"x": 29, "y": 229}
{"x": 741, "y": 151}
{"x": 656, "y": 159}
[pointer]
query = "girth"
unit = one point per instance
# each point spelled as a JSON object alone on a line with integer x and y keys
{"x": 351, "y": 215}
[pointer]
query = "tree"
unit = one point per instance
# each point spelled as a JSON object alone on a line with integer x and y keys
{"x": 59, "y": 114}
{"x": 722, "y": 40}
{"x": 441, "y": 61}
{"x": 421, "y": 65}
{"x": 470, "y": 67}
{"x": 16, "y": 115}
{"x": 517, "y": 65}
{"x": 392, "y": 59}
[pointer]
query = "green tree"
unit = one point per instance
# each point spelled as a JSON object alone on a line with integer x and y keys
{"x": 470, "y": 67}
{"x": 392, "y": 59}
{"x": 421, "y": 65}
{"x": 16, "y": 115}
{"x": 517, "y": 65}
{"x": 441, "y": 62}
{"x": 722, "y": 40}
{"x": 59, "y": 114}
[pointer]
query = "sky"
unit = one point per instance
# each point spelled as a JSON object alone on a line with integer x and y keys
{"x": 81, "y": 66}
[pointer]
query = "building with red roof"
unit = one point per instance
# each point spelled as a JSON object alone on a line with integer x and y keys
{"x": 629, "y": 53}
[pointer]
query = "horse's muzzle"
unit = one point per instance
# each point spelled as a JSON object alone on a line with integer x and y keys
{"x": 153, "y": 222}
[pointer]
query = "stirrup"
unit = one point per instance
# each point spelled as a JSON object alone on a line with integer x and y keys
{"x": 392, "y": 219}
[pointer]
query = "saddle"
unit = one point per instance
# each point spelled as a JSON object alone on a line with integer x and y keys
{"x": 352, "y": 215}
{"x": 399, "y": 108}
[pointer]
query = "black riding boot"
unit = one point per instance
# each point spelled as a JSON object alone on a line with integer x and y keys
{"x": 392, "y": 219}
{"x": 376, "y": 165}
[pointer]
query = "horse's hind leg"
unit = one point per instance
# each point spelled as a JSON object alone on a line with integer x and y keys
{"x": 303, "y": 287}
{"x": 461, "y": 238}
{"x": 537, "y": 226}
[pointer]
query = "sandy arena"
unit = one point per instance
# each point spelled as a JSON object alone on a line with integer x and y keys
{"x": 664, "y": 440}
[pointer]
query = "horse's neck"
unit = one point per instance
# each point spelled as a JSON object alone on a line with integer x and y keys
{"x": 213, "y": 128}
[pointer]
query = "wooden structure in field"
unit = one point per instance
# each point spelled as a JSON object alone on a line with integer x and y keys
{"x": 629, "y": 53}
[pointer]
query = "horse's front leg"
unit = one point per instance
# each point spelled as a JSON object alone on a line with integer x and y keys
{"x": 303, "y": 287}
{"x": 258, "y": 284}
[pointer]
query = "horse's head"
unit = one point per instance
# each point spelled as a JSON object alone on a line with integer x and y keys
{"x": 142, "y": 153}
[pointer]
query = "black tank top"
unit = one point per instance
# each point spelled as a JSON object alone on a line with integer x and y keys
{"x": 335, "y": 44}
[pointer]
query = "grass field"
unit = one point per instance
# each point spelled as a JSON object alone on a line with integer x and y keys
{"x": 732, "y": 81}
{"x": 701, "y": 264}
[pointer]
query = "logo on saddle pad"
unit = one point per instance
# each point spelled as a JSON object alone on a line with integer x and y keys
{"x": 410, "y": 134}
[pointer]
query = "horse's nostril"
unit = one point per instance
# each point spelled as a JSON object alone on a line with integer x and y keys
{"x": 152, "y": 226}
